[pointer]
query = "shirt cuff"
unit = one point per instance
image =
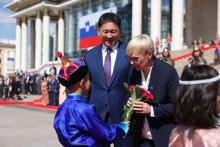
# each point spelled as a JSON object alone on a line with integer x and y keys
{"x": 152, "y": 111}
{"x": 124, "y": 127}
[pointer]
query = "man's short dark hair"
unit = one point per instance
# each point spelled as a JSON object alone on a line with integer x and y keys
{"x": 195, "y": 105}
{"x": 109, "y": 17}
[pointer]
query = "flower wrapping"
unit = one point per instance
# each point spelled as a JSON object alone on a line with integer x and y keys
{"x": 137, "y": 94}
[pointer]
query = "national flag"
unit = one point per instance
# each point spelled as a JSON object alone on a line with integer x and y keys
{"x": 88, "y": 35}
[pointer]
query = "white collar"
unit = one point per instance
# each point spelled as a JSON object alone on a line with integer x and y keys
{"x": 114, "y": 47}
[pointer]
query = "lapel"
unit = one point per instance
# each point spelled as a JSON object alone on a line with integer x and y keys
{"x": 137, "y": 77}
{"x": 154, "y": 77}
{"x": 118, "y": 62}
{"x": 99, "y": 64}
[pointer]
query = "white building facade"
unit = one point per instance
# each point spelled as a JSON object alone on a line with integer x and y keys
{"x": 157, "y": 18}
{"x": 7, "y": 58}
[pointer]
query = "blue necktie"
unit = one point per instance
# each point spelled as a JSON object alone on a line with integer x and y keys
{"x": 107, "y": 65}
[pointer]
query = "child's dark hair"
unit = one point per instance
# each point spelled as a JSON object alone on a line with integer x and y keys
{"x": 195, "y": 104}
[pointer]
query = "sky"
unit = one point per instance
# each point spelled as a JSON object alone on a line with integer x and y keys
{"x": 7, "y": 24}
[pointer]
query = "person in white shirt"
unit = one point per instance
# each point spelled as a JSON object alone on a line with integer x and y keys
{"x": 152, "y": 123}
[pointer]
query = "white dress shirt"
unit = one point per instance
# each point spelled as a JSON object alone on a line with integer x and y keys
{"x": 146, "y": 129}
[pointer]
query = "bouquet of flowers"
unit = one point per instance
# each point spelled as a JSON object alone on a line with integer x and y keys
{"x": 137, "y": 94}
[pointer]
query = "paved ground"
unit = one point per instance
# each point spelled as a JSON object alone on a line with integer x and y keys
{"x": 26, "y": 127}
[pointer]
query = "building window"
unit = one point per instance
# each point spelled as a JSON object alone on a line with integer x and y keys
{"x": 125, "y": 14}
{"x": 166, "y": 16}
{"x": 84, "y": 7}
{"x": 105, "y": 3}
{"x": 94, "y": 5}
{"x": 11, "y": 59}
{"x": 146, "y": 11}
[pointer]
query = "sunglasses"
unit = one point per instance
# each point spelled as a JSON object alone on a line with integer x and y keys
{"x": 135, "y": 59}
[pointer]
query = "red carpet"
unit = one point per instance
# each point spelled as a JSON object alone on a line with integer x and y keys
{"x": 33, "y": 104}
{"x": 187, "y": 55}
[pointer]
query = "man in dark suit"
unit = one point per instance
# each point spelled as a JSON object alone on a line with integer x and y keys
{"x": 109, "y": 66}
{"x": 53, "y": 89}
{"x": 152, "y": 123}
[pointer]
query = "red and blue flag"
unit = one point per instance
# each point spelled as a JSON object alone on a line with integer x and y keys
{"x": 87, "y": 25}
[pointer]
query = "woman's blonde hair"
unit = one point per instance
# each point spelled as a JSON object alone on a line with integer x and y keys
{"x": 143, "y": 43}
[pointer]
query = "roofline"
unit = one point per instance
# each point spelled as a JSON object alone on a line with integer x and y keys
{"x": 11, "y": 3}
{"x": 35, "y": 7}
{"x": 45, "y": 5}
{"x": 68, "y": 3}
{"x": 6, "y": 45}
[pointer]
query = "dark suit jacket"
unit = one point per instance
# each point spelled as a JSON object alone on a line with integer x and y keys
{"x": 108, "y": 98}
{"x": 163, "y": 84}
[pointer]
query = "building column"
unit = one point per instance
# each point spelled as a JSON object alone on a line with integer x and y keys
{"x": 24, "y": 44}
{"x": 70, "y": 31}
{"x": 32, "y": 49}
{"x": 38, "y": 40}
{"x": 18, "y": 45}
{"x": 177, "y": 25}
{"x": 46, "y": 36}
{"x": 136, "y": 17}
{"x": 188, "y": 23}
{"x": 61, "y": 32}
{"x": 155, "y": 19}
{"x": 218, "y": 18}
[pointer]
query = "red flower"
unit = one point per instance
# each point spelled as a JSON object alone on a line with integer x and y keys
{"x": 137, "y": 94}
{"x": 149, "y": 97}
{"x": 131, "y": 88}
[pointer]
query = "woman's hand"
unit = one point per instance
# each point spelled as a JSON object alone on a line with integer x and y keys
{"x": 141, "y": 107}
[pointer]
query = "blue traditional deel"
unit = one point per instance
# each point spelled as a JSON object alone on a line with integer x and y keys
{"x": 71, "y": 71}
{"x": 77, "y": 124}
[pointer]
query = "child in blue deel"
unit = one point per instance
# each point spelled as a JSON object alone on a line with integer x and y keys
{"x": 76, "y": 122}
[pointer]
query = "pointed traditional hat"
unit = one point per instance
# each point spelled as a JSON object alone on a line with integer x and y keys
{"x": 71, "y": 71}
{"x": 195, "y": 46}
{"x": 165, "y": 49}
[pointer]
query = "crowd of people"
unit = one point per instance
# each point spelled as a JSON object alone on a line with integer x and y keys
{"x": 198, "y": 47}
{"x": 18, "y": 85}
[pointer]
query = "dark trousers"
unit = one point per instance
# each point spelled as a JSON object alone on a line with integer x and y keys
{"x": 146, "y": 143}
{"x": 53, "y": 98}
{"x": 126, "y": 142}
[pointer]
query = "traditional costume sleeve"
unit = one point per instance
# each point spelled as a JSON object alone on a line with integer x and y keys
{"x": 101, "y": 131}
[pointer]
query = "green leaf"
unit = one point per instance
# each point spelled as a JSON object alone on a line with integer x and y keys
{"x": 128, "y": 114}
{"x": 127, "y": 87}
